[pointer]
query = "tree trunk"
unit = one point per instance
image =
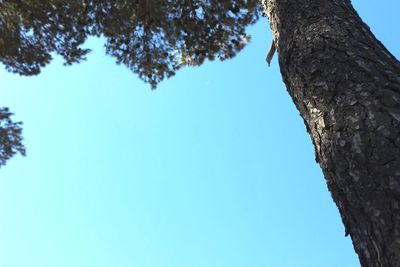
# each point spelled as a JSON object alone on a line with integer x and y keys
{"x": 346, "y": 86}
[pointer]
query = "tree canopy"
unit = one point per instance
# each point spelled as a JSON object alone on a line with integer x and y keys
{"x": 31, "y": 30}
{"x": 153, "y": 38}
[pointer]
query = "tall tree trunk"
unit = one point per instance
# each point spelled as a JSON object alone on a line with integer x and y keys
{"x": 346, "y": 86}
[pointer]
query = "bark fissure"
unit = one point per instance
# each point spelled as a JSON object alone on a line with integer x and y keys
{"x": 346, "y": 86}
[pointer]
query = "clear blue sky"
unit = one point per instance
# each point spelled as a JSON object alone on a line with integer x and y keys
{"x": 213, "y": 169}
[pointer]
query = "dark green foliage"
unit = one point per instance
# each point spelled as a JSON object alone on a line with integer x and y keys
{"x": 10, "y": 137}
{"x": 153, "y": 38}
{"x": 156, "y": 38}
{"x": 31, "y": 30}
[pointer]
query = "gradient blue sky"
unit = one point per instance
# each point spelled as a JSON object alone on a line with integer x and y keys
{"x": 213, "y": 169}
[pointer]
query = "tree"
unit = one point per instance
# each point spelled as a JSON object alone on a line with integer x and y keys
{"x": 346, "y": 86}
{"x": 31, "y": 30}
{"x": 10, "y": 137}
{"x": 343, "y": 81}
{"x": 156, "y": 38}
{"x": 153, "y": 38}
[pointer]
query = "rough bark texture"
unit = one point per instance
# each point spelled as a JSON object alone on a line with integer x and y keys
{"x": 346, "y": 86}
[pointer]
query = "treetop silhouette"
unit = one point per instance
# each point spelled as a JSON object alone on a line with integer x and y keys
{"x": 153, "y": 38}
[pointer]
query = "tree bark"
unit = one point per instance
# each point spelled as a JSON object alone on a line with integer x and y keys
{"x": 346, "y": 86}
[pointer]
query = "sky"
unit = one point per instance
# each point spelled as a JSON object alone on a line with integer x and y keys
{"x": 212, "y": 169}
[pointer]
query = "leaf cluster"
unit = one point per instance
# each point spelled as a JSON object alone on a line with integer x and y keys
{"x": 153, "y": 38}
{"x": 10, "y": 137}
{"x": 30, "y": 31}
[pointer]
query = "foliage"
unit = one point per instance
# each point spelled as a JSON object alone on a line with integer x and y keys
{"x": 31, "y": 30}
{"x": 153, "y": 38}
{"x": 10, "y": 137}
{"x": 156, "y": 38}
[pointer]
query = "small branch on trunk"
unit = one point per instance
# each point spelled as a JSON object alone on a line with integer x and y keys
{"x": 271, "y": 53}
